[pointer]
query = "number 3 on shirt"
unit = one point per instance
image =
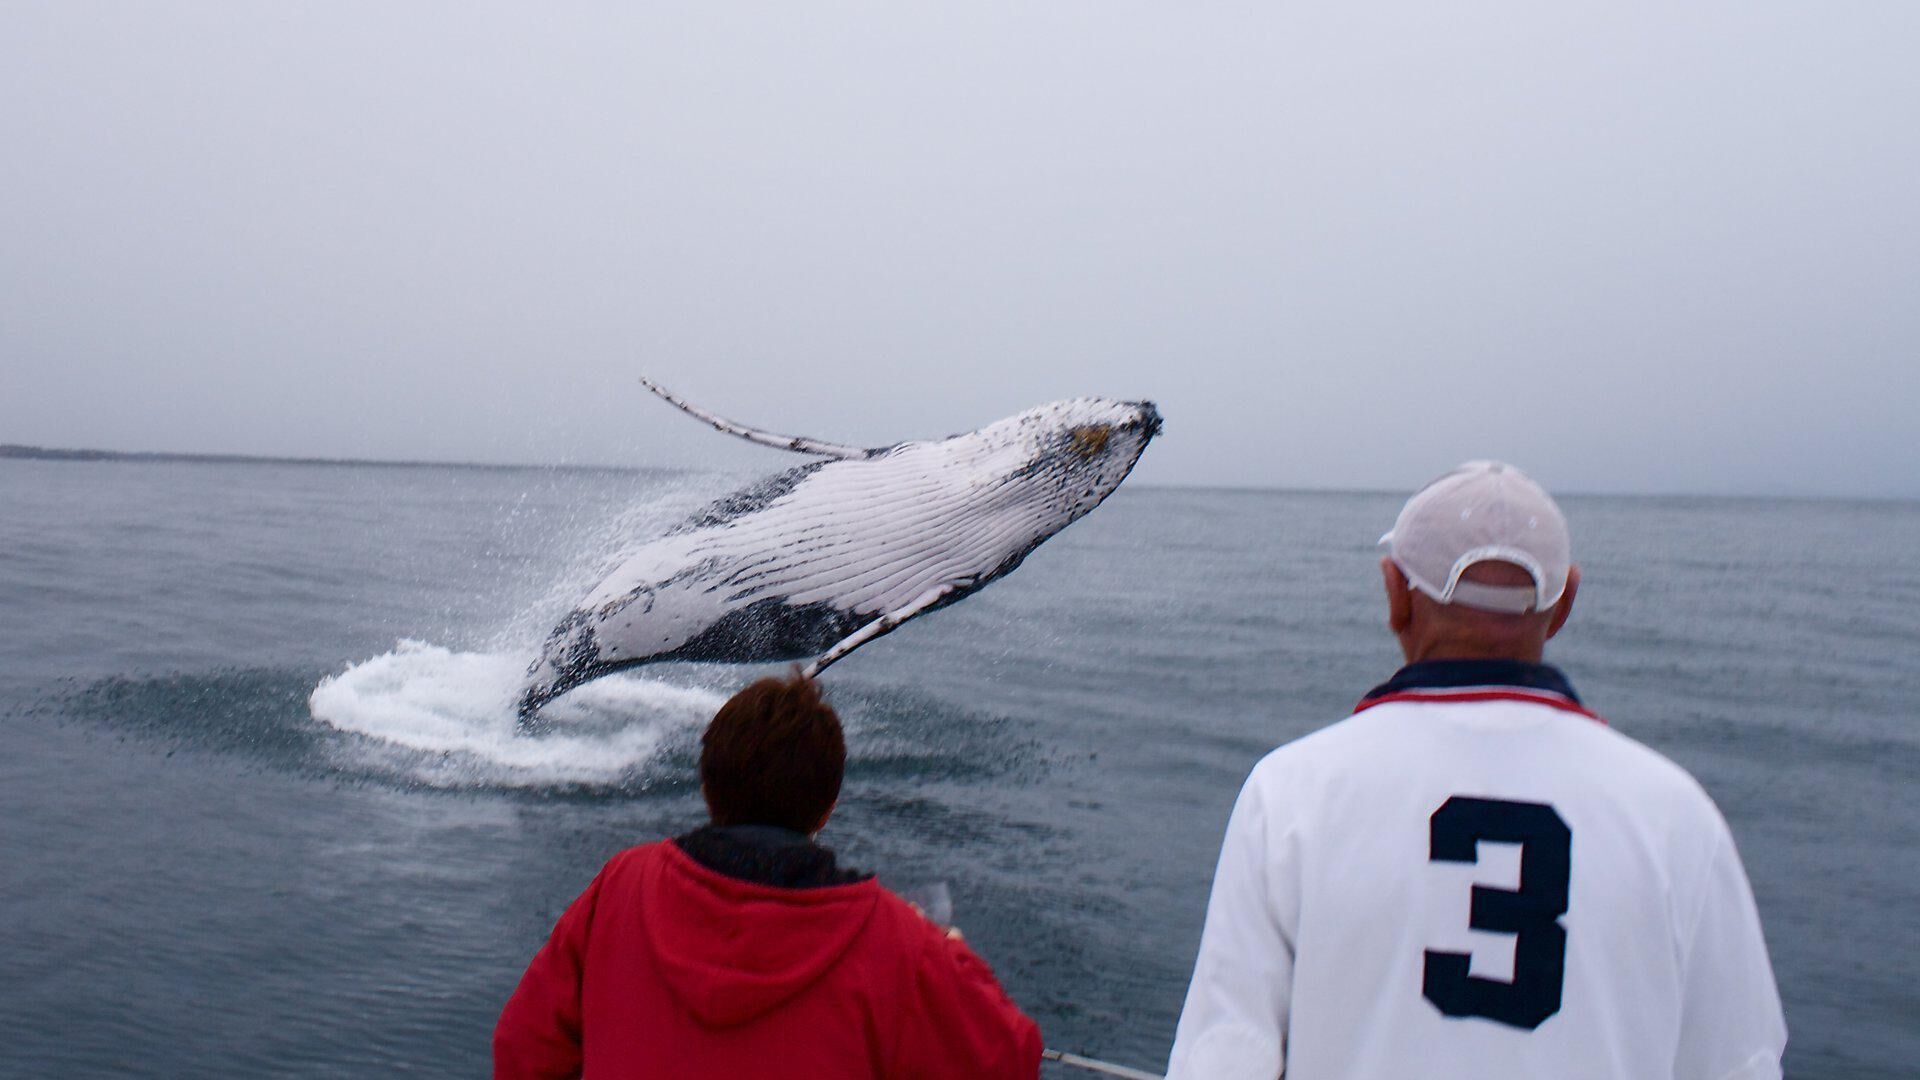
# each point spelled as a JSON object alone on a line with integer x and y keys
{"x": 1531, "y": 913}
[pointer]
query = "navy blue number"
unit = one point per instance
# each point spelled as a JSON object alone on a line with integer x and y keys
{"x": 1531, "y": 913}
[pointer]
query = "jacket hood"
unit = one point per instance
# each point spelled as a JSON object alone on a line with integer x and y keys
{"x": 730, "y": 950}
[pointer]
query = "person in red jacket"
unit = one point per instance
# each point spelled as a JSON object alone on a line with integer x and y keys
{"x": 743, "y": 950}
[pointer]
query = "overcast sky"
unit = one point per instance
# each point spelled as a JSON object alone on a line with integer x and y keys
{"x": 1645, "y": 247}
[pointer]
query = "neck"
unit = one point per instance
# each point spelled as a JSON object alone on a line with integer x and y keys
{"x": 761, "y": 832}
{"x": 1422, "y": 651}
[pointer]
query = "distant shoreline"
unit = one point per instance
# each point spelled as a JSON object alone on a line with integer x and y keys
{"x": 18, "y": 452}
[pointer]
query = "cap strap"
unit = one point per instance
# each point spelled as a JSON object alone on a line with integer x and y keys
{"x": 1517, "y": 599}
{"x": 1511, "y": 599}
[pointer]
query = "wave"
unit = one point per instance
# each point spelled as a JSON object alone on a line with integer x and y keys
{"x": 446, "y": 718}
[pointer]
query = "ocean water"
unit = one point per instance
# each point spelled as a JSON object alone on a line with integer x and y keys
{"x": 262, "y": 813}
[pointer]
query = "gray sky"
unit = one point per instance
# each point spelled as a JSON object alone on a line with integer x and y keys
{"x": 1630, "y": 246}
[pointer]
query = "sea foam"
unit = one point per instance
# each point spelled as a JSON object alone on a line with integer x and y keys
{"x": 446, "y": 718}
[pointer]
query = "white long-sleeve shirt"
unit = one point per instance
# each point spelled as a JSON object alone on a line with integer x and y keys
{"x": 1478, "y": 883}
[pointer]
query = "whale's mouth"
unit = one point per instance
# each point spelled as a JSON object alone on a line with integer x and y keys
{"x": 1148, "y": 419}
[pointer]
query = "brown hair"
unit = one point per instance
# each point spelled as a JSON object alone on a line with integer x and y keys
{"x": 773, "y": 755}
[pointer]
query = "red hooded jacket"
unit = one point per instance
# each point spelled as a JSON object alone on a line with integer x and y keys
{"x": 665, "y": 968}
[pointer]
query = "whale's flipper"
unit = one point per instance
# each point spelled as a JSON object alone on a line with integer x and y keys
{"x": 883, "y": 625}
{"x": 798, "y": 444}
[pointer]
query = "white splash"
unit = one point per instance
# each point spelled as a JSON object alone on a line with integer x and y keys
{"x": 447, "y": 718}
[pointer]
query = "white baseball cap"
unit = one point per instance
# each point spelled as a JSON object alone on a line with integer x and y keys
{"x": 1482, "y": 511}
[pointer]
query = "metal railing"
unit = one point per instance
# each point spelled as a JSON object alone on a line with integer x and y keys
{"x": 1092, "y": 1065}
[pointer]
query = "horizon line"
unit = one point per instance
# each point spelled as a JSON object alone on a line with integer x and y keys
{"x": 26, "y": 452}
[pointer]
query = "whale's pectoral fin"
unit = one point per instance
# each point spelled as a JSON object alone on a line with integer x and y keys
{"x": 879, "y": 627}
{"x": 797, "y": 443}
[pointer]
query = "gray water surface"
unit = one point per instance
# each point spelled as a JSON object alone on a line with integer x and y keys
{"x": 197, "y": 874}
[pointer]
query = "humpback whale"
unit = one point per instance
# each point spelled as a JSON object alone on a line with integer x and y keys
{"x": 828, "y": 556}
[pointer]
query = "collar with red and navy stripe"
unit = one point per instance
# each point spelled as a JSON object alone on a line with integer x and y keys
{"x": 1478, "y": 680}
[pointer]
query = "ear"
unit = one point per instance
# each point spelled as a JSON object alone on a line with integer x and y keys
{"x": 1399, "y": 595}
{"x": 1565, "y": 607}
{"x": 824, "y": 818}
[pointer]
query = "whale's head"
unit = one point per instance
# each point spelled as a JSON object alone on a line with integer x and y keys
{"x": 1050, "y": 465}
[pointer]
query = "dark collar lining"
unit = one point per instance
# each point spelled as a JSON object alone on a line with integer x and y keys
{"x": 765, "y": 855}
{"x": 1459, "y": 674}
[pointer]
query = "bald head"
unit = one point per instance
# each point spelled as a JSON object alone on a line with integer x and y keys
{"x": 1430, "y": 630}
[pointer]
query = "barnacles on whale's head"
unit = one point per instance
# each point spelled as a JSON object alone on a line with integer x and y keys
{"x": 1090, "y": 439}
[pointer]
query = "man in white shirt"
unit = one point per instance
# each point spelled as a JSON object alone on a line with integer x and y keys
{"x": 1473, "y": 876}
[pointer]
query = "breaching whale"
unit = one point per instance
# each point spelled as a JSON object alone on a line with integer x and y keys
{"x": 824, "y": 558}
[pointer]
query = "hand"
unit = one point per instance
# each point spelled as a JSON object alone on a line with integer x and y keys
{"x": 954, "y": 934}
